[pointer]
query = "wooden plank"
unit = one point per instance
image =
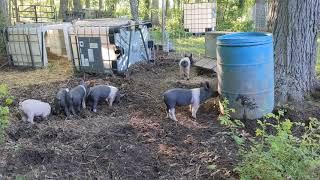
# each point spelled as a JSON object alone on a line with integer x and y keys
{"x": 206, "y": 63}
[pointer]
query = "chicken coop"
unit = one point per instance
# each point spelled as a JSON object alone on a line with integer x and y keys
{"x": 27, "y": 44}
{"x": 199, "y": 17}
{"x": 109, "y": 45}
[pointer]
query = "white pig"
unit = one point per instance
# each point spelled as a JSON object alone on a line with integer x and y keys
{"x": 32, "y": 108}
{"x": 185, "y": 65}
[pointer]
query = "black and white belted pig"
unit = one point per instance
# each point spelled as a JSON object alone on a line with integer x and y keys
{"x": 76, "y": 97}
{"x": 185, "y": 65}
{"x": 107, "y": 93}
{"x": 183, "y": 97}
{"x": 61, "y": 102}
{"x": 31, "y": 108}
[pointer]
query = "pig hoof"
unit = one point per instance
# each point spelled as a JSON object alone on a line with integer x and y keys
{"x": 94, "y": 110}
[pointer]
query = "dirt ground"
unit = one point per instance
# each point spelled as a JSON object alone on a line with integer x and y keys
{"x": 132, "y": 140}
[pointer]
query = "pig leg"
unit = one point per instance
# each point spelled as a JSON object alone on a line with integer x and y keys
{"x": 30, "y": 118}
{"x": 172, "y": 113}
{"x": 168, "y": 114}
{"x": 23, "y": 116}
{"x": 66, "y": 111}
{"x": 94, "y": 105}
{"x": 188, "y": 73}
{"x": 84, "y": 102}
{"x": 79, "y": 108}
{"x": 111, "y": 101}
{"x": 44, "y": 117}
{"x": 181, "y": 73}
{"x": 195, "y": 108}
{"x": 72, "y": 110}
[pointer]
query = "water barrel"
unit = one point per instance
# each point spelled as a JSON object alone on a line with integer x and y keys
{"x": 245, "y": 70}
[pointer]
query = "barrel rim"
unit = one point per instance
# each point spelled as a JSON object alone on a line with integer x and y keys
{"x": 245, "y": 39}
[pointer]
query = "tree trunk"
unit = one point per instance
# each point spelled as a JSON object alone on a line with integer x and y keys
{"x": 77, "y": 5}
{"x": 87, "y": 4}
{"x": 134, "y": 9}
{"x": 4, "y": 12}
{"x": 100, "y": 8}
{"x": 294, "y": 27}
{"x": 63, "y": 9}
{"x": 155, "y": 12}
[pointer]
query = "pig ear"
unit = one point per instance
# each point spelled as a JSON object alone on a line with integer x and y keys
{"x": 190, "y": 55}
{"x": 185, "y": 55}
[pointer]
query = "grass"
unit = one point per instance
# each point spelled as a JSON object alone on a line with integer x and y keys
{"x": 57, "y": 70}
{"x": 184, "y": 44}
{"x": 194, "y": 44}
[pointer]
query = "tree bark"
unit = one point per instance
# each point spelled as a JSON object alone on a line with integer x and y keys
{"x": 155, "y": 12}
{"x": 134, "y": 9}
{"x": 77, "y": 5}
{"x": 294, "y": 27}
{"x": 63, "y": 9}
{"x": 100, "y": 8}
{"x": 4, "y": 12}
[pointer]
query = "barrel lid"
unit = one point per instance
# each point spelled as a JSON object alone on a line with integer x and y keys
{"x": 244, "y": 39}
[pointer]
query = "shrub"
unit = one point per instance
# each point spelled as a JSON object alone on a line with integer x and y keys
{"x": 283, "y": 155}
{"x": 5, "y": 102}
{"x": 234, "y": 125}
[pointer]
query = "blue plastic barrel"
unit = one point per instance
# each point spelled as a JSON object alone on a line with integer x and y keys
{"x": 245, "y": 70}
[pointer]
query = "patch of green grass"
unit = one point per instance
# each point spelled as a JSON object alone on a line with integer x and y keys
{"x": 194, "y": 44}
{"x": 186, "y": 43}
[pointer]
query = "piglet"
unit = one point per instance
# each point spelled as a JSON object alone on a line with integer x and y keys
{"x": 97, "y": 93}
{"x": 185, "y": 65}
{"x": 183, "y": 97}
{"x": 76, "y": 97}
{"x": 61, "y": 101}
{"x": 31, "y": 108}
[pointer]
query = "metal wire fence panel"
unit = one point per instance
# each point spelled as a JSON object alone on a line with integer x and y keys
{"x": 24, "y": 46}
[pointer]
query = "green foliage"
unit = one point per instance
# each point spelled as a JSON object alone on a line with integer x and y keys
{"x": 244, "y": 25}
{"x": 234, "y": 15}
{"x": 175, "y": 23}
{"x": 234, "y": 125}
{"x": 282, "y": 155}
{"x": 5, "y": 102}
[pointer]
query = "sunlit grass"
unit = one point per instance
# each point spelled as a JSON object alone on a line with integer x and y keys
{"x": 192, "y": 44}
